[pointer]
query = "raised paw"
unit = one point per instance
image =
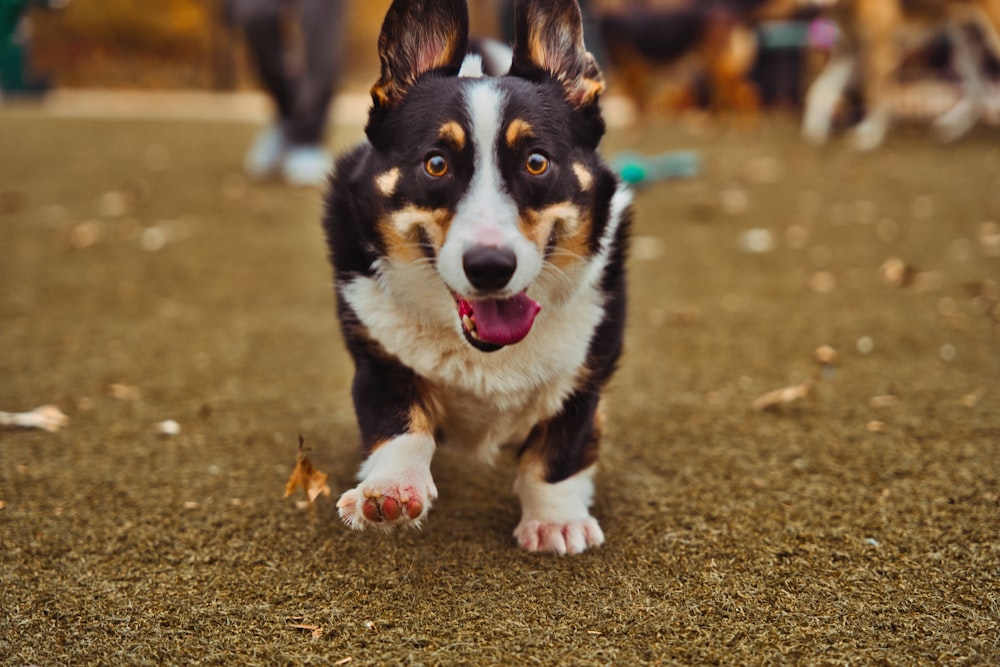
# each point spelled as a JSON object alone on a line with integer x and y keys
{"x": 396, "y": 486}
{"x": 384, "y": 505}
{"x": 570, "y": 537}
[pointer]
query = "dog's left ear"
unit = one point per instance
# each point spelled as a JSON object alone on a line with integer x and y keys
{"x": 548, "y": 37}
{"x": 419, "y": 36}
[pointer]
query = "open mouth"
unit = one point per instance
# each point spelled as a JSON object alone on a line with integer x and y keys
{"x": 490, "y": 324}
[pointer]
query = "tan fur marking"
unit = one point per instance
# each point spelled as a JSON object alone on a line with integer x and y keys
{"x": 401, "y": 231}
{"x": 517, "y": 131}
{"x": 583, "y": 175}
{"x": 586, "y": 92}
{"x": 536, "y": 48}
{"x": 387, "y": 181}
{"x": 571, "y": 226}
{"x": 453, "y": 133}
{"x": 420, "y": 421}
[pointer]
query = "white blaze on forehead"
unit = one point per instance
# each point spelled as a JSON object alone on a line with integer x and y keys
{"x": 486, "y": 212}
{"x": 472, "y": 67}
{"x": 486, "y": 215}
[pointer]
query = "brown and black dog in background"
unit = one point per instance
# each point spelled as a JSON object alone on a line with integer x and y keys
{"x": 709, "y": 39}
{"x": 875, "y": 38}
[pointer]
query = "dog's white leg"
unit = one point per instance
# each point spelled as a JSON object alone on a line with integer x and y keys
{"x": 963, "y": 115}
{"x": 396, "y": 485}
{"x": 880, "y": 59}
{"x": 555, "y": 517}
{"x": 824, "y": 95}
{"x": 871, "y": 132}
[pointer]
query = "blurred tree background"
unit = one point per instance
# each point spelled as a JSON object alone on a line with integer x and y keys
{"x": 184, "y": 43}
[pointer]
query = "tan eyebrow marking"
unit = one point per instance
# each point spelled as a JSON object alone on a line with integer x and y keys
{"x": 518, "y": 130}
{"x": 583, "y": 175}
{"x": 453, "y": 133}
{"x": 386, "y": 182}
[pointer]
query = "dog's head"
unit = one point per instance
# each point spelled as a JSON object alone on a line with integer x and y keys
{"x": 493, "y": 184}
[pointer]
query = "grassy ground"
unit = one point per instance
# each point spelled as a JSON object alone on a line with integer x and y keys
{"x": 833, "y": 531}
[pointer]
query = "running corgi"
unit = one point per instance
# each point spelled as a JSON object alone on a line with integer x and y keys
{"x": 478, "y": 244}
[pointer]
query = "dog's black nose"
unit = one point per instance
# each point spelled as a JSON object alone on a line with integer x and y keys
{"x": 489, "y": 268}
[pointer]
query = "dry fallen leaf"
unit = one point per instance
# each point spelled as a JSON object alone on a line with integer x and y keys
{"x": 826, "y": 355}
{"x": 822, "y": 282}
{"x": 316, "y": 631}
{"x": 883, "y": 401}
{"x": 124, "y": 392}
{"x": 47, "y": 417}
{"x": 312, "y": 481}
{"x": 772, "y": 400}
{"x": 897, "y": 273}
{"x": 989, "y": 239}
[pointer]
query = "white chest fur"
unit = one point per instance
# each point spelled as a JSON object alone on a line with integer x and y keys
{"x": 488, "y": 400}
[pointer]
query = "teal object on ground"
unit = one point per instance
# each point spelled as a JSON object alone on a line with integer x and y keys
{"x": 638, "y": 170}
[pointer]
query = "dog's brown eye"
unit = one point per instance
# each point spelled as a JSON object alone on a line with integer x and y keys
{"x": 436, "y": 165}
{"x": 537, "y": 164}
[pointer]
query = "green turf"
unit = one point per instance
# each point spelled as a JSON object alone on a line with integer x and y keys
{"x": 809, "y": 536}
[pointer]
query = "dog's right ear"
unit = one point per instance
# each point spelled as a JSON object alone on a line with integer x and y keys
{"x": 419, "y": 36}
{"x": 548, "y": 37}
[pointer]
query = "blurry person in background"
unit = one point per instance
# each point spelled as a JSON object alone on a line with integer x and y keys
{"x": 16, "y": 75}
{"x": 302, "y": 88}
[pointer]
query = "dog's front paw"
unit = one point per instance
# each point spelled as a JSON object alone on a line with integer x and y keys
{"x": 554, "y": 517}
{"x": 396, "y": 486}
{"x": 569, "y": 537}
{"x": 385, "y": 504}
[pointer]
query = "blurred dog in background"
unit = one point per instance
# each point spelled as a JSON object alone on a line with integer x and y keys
{"x": 710, "y": 40}
{"x": 875, "y": 38}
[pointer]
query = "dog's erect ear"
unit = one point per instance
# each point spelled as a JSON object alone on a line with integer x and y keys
{"x": 419, "y": 36}
{"x": 548, "y": 37}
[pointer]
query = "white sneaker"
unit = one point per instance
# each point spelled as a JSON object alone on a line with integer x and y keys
{"x": 307, "y": 166}
{"x": 266, "y": 153}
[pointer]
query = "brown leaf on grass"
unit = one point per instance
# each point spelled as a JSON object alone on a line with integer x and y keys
{"x": 989, "y": 239}
{"x": 773, "y": 400}
{"x": 898, "y": 273}
{"x": 312, "y": 481}
{"x": 47, "y": 417}
{"x": 316, "y": 631}
{"x": 883, "y": 401}
{"x": 124, "y": 392}
{"x": 827, "y": 356}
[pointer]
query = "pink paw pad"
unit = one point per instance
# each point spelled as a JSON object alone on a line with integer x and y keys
{"x": 382, "y": 507}
{"x": 389, "y": 508}
{"x": 570, "y": 537}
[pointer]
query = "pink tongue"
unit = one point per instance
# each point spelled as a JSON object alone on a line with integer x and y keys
{"x": 505, "y": 321}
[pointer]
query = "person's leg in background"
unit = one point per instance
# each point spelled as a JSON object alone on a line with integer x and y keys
{"x": 262, "y": 24}
{"x": 16, "y": 75}
{"x": 308, "y": 162}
